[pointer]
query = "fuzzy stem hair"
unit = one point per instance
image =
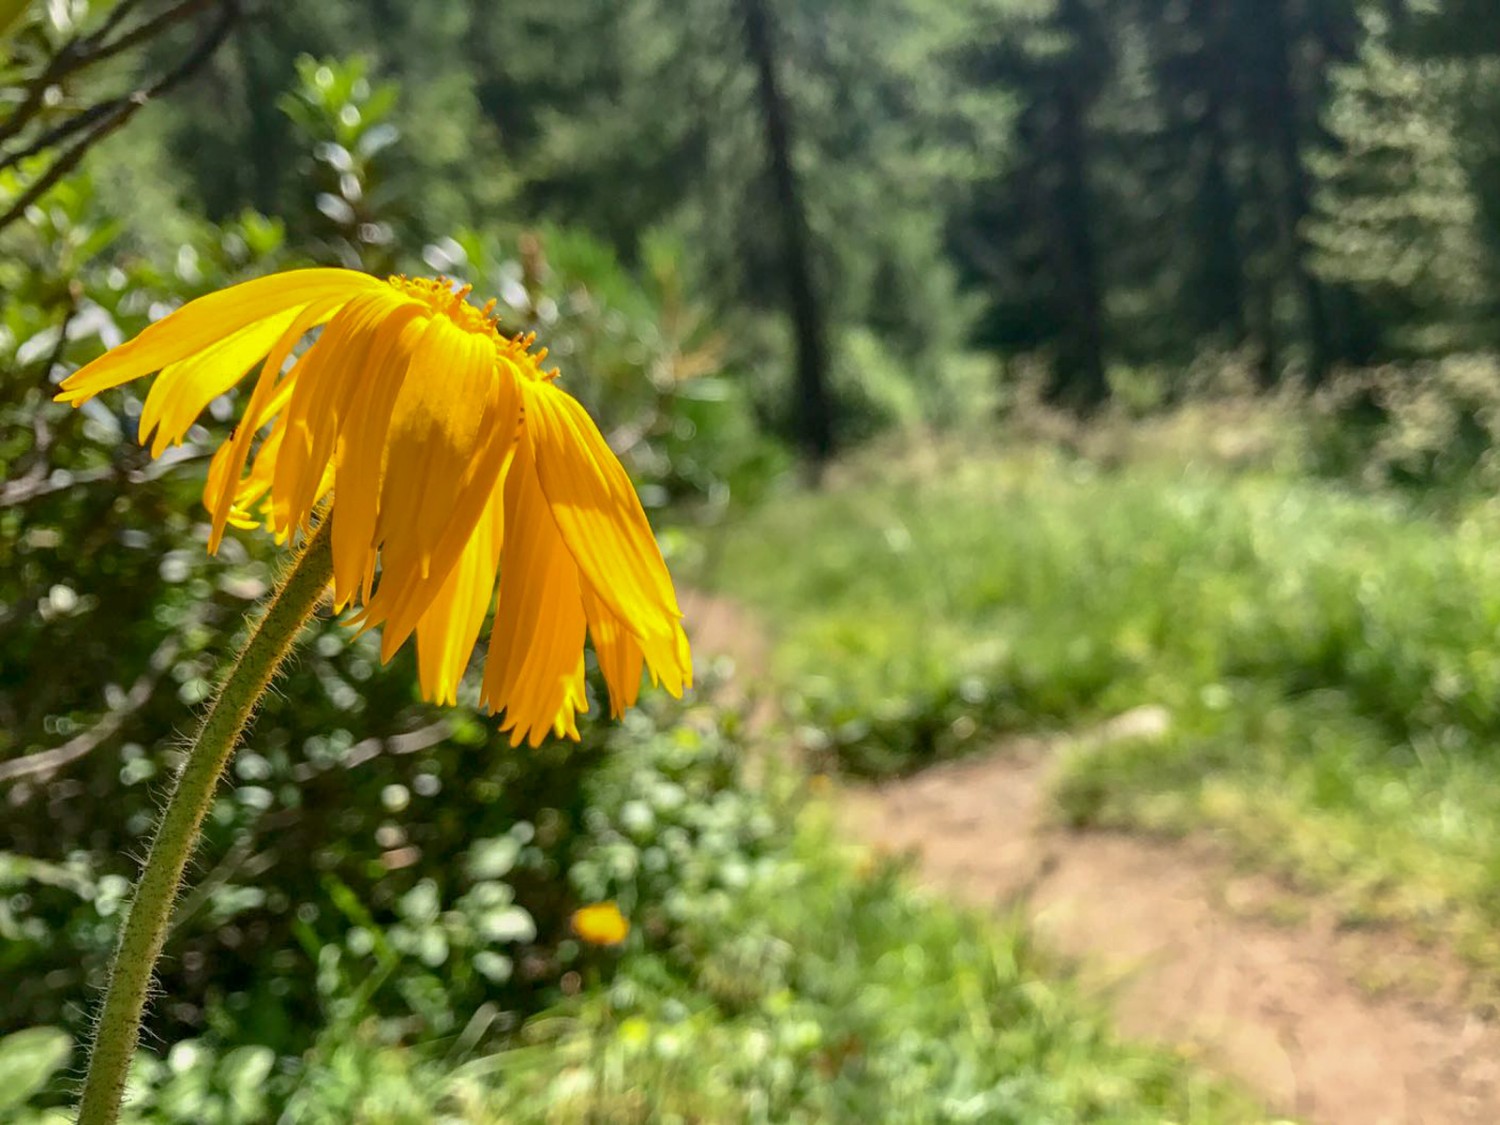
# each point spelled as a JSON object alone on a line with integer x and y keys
{"x": 145, "y": 930}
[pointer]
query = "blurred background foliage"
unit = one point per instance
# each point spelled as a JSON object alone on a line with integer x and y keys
{"x": 1175, "y": 253}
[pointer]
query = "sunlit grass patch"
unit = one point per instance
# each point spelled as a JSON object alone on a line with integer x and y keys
{"x": 1331, "y": 658}
{"x": 766, "y": 974}
{"x": 1319, "y": 793}
{"x": 823, "y": 994}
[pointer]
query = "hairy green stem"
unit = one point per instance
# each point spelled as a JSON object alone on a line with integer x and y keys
{"x": 177, "y": 835}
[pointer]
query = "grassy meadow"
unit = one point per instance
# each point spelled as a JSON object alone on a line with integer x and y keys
{"x": 1326, "y": 652}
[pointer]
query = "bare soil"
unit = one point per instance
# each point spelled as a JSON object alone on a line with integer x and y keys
{"x": 1333, "y": 1026}
{"x": 1324, "y": 1024}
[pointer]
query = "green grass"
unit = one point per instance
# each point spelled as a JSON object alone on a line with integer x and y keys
{"x": 770, "y": 975}
{"x": 816, "y": 992}
{"x": 843, "y": 996}
{"x": 1330, "y": 658}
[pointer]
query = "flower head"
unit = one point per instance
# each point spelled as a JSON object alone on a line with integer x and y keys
{"x": 601, "y": 924}
{"x": 450, "y": 456}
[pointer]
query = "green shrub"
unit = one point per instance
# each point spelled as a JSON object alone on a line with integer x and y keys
{"x": 766, "y": 977}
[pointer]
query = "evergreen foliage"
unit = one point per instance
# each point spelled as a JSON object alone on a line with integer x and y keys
{"x": 1106, "y": 184}
{"x": 1396, "y": 219}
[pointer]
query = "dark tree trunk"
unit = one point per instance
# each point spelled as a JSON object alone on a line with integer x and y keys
{"x": 1261, "y": 301}
{"x": 1223, "y": 266}
{"x": 1221, "y": 274}
{"x": 1080, "y": 380}
{"x": 1296, "y": 192}
{"x": 266, "y": 131}
{"x": 813, "y": 407}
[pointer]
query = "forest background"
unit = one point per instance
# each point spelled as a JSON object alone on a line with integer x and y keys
{"x": 756, "y": 236}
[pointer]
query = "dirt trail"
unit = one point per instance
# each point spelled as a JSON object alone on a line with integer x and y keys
{"x": 1264, "y": 986}
{"x": 1195, "y": 953}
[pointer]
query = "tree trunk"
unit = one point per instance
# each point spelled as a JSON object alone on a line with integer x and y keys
{"x": 1223, "y": 278}
{"x": 812, "y": 405}
{"x": 1221, "y": 275}
{"x": 1080, "y": 381}
{"x": 266, "y": 131}
{"x": 1263, "y": 282}
{"x": 1295, "y": 190}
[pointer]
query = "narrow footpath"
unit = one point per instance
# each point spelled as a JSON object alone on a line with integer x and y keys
{"x": 1260, "y": 984}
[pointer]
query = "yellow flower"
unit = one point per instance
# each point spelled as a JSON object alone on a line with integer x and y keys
{"x": 601, "y": 924}
{"x": 446, "y": 448}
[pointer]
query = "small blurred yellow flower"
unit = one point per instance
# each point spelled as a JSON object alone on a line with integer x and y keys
{"x": 445, "y": 446}
{"x": 819, "y": 785}
{"x": 601, "y": 924}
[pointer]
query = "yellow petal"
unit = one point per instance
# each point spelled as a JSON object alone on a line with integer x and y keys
{"x": 452, "y": 428}
{"x": 266, "y": 401}
{"x": 534, "y": 671}
{"x": 253, "y": 487}
{"x": 602, "y": 523}
{"x": 202, "y": 323}
{"x": 361, "y": 450}
{"x": 449, "y": 628}
{"x": 619, "y": 653}
{"x": 184, "y": 388}
{"x": 219, "y": 483}
{"x": 328, "y": 377}
{"x": 254, "y": 490}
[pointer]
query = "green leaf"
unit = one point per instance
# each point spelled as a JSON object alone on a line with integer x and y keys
{"x": 10, "y": 12}
{"x": 28, "y": 1059}
{"x": 243, "y": 1073}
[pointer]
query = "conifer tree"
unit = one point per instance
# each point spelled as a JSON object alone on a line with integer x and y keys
{"x": 1396, "y": 218}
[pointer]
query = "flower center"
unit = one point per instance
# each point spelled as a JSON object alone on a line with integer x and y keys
{"x": 440, "y": 295}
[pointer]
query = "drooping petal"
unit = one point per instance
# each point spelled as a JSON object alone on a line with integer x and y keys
{"x": 449, "y": 628}
{"x": 362, "y": 447}
{"x": 183, "y": 389}
{"x": 534, "y": 671}
{"x": 619, "y": 653}
{"x": 266, "y": 401}
{"x": 244, "y": 493}
{"x": 252, "y": 493}
{"x": 453, "y": 426}
{"x": 605, "y": 528}
{"x": 220, "y": 483}
{"x": 227, "y": 492}
{"x": 328, "y": 377}
{"x": 204, "y": 322}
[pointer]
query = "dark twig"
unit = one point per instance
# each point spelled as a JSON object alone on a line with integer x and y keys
{"x": 111, "y": 115}
{"x": 83, "y": 51}
{"x": 70, "y": 310}
{"x": 150, "y": 29}
{"x": 25, "y": 489}
{"x": 84, "y": 118}
{"x": 116, "y": 17}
